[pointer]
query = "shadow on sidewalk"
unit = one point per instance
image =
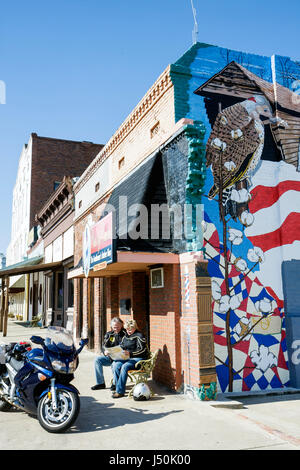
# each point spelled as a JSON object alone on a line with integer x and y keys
{"x": 95, "y": 416}
{"x": 268, "y": 398}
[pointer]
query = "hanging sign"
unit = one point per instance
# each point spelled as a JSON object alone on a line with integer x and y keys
{"x": 99, "y": 247}
{"x": 102, "y": 241}
{"x": 86, "y": 250}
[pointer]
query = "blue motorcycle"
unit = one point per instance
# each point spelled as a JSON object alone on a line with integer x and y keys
{"x": 38, "y": 380}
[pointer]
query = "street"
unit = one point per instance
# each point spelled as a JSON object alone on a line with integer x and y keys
{"x": 167, "y": 421}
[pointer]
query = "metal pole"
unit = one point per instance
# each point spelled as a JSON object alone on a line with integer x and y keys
{"x": 6, "y": 308}
{"x": 2, "y": 304}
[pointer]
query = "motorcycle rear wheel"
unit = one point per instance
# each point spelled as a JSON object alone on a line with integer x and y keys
{"x": 59, "y": 420}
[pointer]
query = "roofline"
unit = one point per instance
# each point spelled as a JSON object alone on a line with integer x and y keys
{"x": 84, "y": 142}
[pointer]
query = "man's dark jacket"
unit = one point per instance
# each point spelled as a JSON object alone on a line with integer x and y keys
{"x": 113, "y": 339}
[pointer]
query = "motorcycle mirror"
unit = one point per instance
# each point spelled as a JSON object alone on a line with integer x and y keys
{"x": 37, "y": 340}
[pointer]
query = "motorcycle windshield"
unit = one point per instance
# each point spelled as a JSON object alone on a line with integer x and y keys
{"x": 59, "y": 340}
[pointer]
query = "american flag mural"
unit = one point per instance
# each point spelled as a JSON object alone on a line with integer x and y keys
{"x": 253, "y": 309}
{"x": 275, "y": 205}
{"x": 252, "y": 223}
{"x": 258, "y": 338}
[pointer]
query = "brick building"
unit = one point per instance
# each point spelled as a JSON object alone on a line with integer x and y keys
{"x": 55, "y": 219}
{"x": 216, "y": 128}
{"x": 145, "y": 162}
{"x": 43, "y": 163}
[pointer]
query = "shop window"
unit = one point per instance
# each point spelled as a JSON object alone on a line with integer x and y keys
{"x": 49, "y": 292}
{"x": 121, "y": 163}
{"x": 59, "y": 290}
{"x": 70, "y": 293}
{"x": 125, "y": 306}
{"x": 40, "y": 294}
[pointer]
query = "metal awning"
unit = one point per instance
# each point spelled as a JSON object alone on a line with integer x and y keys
{"x": 29, "y": 266}
{"x": 126, "y": 262}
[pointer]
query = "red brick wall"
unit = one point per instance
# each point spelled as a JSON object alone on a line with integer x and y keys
{"x": 132, "y": 286}
{"x": 97, "y": 310}
{"x": 139, "y": 300}
{"x": 52, "y": 159}
{"x": 112, "y": 299}
{"x": 165, "y": 328}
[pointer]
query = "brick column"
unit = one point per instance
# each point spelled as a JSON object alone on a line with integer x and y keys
{"x": 76, "y": 333}
{"x": 139, "y": 299}
{"x": 164, "y": 329}
{"x": 197, "y": 330}
{"x": 97, "y": 301}
{"x": 112, "y": 299}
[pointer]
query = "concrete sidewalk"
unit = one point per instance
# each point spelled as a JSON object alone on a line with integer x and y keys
{"x": 168, "y": 421}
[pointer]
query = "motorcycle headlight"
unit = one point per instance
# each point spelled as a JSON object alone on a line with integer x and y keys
{"x": 63, "y": 368}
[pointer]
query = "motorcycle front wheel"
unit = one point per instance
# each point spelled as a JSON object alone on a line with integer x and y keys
{"x": 59, "y": 419}
{"x": 4, "y": 406}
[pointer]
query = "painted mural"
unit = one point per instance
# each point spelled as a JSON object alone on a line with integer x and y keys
{"x": 252, "y": 223}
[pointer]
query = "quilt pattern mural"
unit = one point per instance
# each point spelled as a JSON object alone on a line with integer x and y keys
{"x": 252, "y": 220}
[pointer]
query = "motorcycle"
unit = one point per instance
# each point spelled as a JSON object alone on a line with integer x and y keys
{"x": 38, "y": 380}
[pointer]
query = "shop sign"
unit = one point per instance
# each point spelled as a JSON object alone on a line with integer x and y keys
{"x": 99, "y": 244}
{"x": 86, "y": 250}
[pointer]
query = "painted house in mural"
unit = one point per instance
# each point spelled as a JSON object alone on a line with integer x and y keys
{"x": 218, "y": 130}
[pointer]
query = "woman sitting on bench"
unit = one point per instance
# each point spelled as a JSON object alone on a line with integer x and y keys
{"x": 134, "y": 344}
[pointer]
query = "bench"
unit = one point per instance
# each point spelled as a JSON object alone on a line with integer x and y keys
{"x": 35, "y": 320}
{"x": 143, "y": 370}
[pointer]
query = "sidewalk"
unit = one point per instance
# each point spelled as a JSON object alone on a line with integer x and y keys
{"x": 168, "y": 421}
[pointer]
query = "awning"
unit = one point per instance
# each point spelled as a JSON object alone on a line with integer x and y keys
{"x": 126, "y": 262}
{"x": 145, "y": 185}
{"x": 28, "y": 266}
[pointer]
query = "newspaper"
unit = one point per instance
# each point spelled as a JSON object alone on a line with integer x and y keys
{"x": 116, "y": 352}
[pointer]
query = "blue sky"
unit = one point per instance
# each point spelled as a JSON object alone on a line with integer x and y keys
{"x": 74, "y": 69}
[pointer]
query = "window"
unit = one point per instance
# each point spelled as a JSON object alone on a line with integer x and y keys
{"x": 125, "y": 306}
{"x": 59, "y": 290}
{"x": 70, "y": 293}
{"x": 40, "y": 294}
{"x": 80, "y": 204}
{"x": 154, "y": 130}
{"x": 121, "y": 163}
{"x": 157, "y": 278}
{"x": 97, "y": 186}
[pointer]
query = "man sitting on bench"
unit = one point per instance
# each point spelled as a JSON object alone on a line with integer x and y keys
{"x": 111, "y": 338}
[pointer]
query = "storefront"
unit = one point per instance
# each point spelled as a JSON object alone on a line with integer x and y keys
{"x": 130, "y": 260}
{"x": 28, "y": 268}
{"x": 56, "y": 221}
